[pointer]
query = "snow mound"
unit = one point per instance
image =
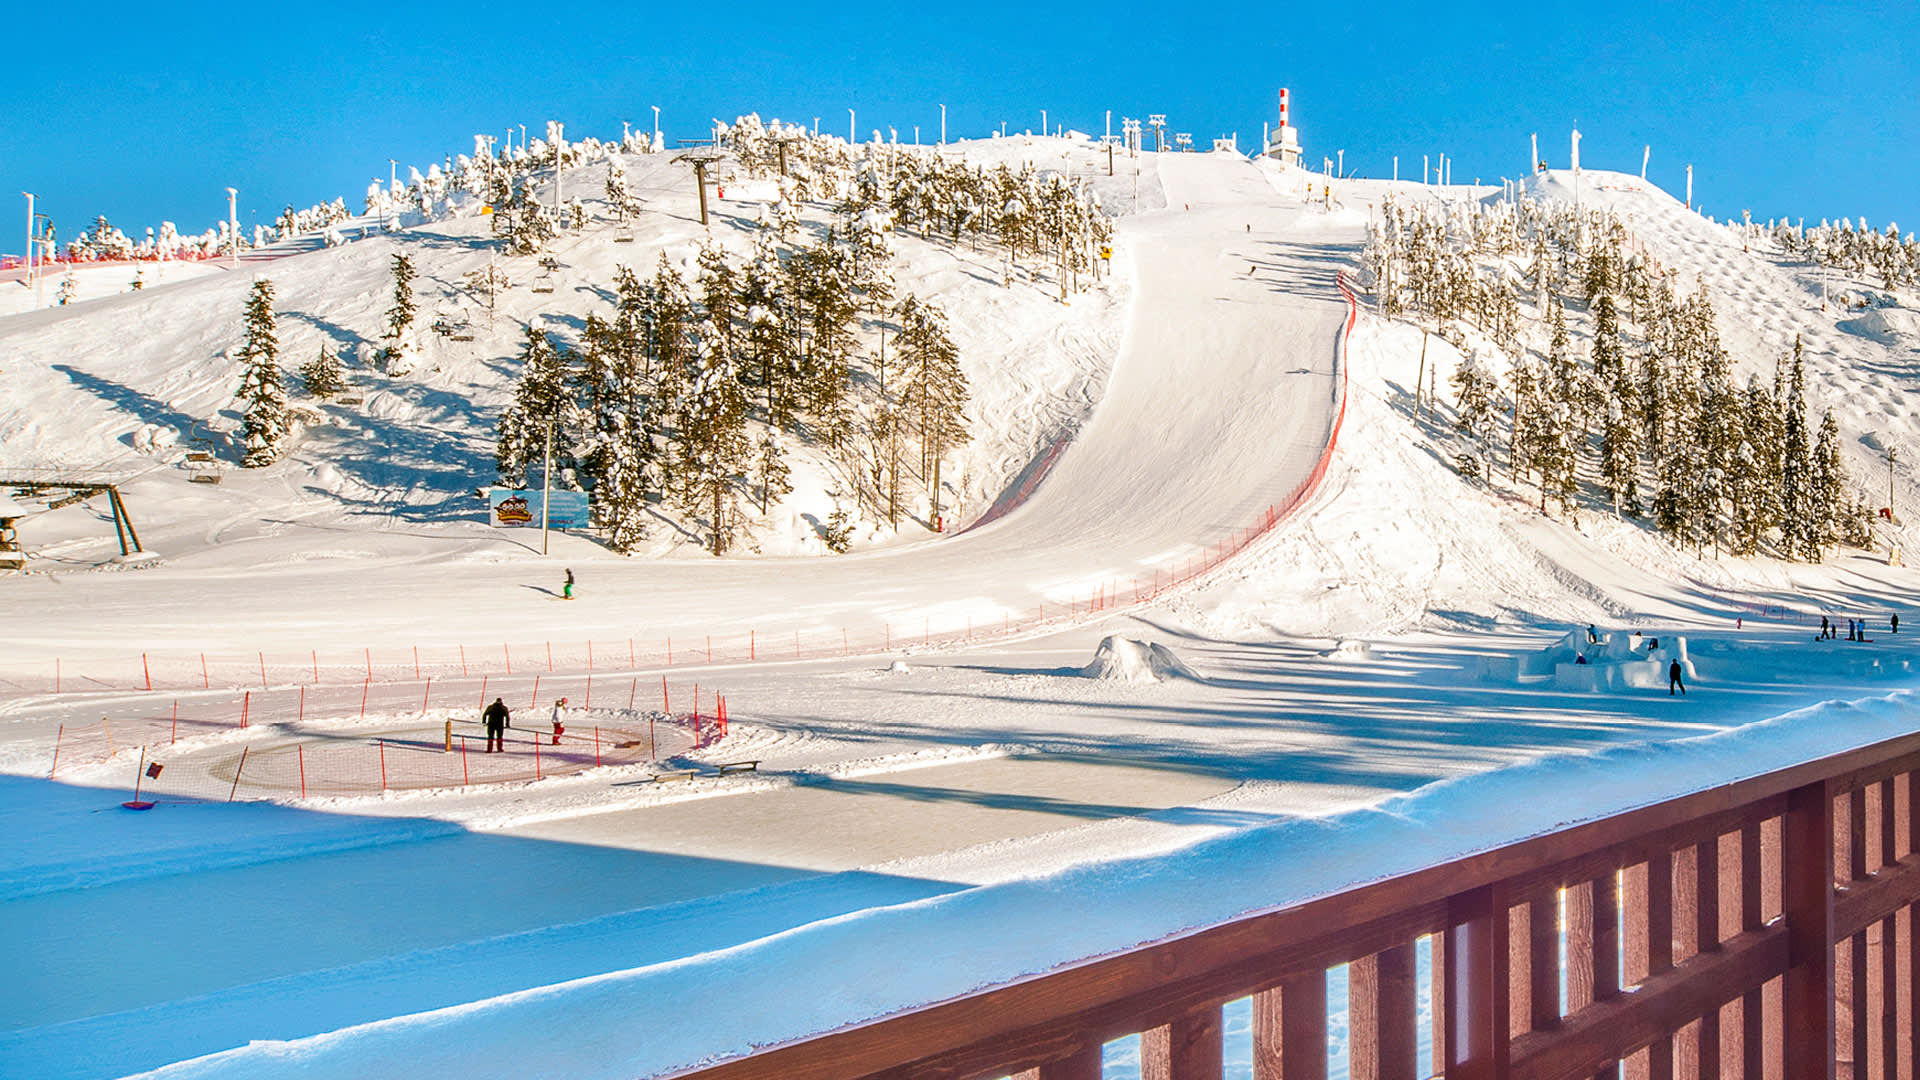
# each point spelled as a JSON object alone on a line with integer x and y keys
{"x": 1127, "y": 660}
{"x": 1885, "y": 325}
{"x": 1349, "y": 650}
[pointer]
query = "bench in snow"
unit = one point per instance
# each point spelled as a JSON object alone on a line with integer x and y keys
{"x": 739, "y": 766}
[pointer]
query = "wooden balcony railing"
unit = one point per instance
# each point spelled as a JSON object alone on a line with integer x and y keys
{"x": 1764, "y": 929}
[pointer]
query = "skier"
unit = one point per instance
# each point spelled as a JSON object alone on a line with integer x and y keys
{"x": 1896, "y": 624}
{"x": 559, "y": 720}
{"x": 566, "y": 590}
{"x": 496, "y": 721}
{"x": 1673, "y": 679}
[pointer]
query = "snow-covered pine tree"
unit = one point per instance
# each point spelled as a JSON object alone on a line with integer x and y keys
{"x": 1619, "y": 453}
{"x": 265, "y": 424}
{"x": 1799, "y": 520}
{"x": 1828, "y": 489}
{"x": 771, "y": 475}
{"x": 402, "y": 347}
{"x": 540, "y": 398}
{"x": 934, "y": 394}
{"x": 322, "y": 376}
{"x": 1473, "y": 388}
{"x": 66, "y": 287}
{"x": 720, "y": 298}
{"x": 1559, "y": 426}
{"x": 819, "y": 282}
{"x": 713, "y": 448}
{"x": 1523, "y": 433}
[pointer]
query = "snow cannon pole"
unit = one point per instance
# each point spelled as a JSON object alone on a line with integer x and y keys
{"x": 246, "y": 704}
{"x": 146, "y": 671}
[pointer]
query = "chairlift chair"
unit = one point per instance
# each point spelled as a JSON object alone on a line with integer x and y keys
{"x": 542, "y": 282}
{"x": 200, "y": 448}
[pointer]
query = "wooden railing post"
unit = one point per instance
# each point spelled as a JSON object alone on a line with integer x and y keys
{"x": 1381, "y": 1004}
{"x": 1186, "y": 1049}
{"x": 1290, "y": 1029}
{"x": 1806, "y": 885}
{"x": 1478, "y": 994}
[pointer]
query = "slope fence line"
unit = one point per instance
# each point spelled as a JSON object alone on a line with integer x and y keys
{"x": 306, "y": 742}
{"x": 158, "y": 672}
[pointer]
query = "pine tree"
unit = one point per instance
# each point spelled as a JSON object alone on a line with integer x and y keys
{"x": 1828, "y": 489}
{"x": 713, "y": 446}
{"x": 400, "y": 315}
{"x": 403, "y": 345}
{"x": 1798, "y": 515}
{"x": 540, "y": 399}
{"x": 771, "y": 474}
{"x": 66, "y": 287}
{"x": 935, "y": 388}
{"x": 323, "y": 376}
{"x": 266, "y": 425}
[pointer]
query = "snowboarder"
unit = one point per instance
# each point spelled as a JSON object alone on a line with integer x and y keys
{"x": 1593, "y": 635}
{"x": 559, "y": 720}
{"x": 1673, "y": 679}
{"x": 566, "y": 590}
{"x": 496, "y": 721}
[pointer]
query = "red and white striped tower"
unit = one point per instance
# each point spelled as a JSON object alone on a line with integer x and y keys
{"x": 1284, "y": 143}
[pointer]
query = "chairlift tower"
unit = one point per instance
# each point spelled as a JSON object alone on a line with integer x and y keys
{"x": 1158, "y": 122}
{"x": 1183, "y": 142}
{"x": 700, "y": 159}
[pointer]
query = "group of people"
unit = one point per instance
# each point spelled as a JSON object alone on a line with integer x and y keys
{"x": 1856, "y": 629}
{"x": 497, "y": 718}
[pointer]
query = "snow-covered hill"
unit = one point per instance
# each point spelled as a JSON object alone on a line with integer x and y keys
{"x": 970, "y": 800}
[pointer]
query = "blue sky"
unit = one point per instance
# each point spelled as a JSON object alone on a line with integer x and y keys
{"x": 147, "y": 112}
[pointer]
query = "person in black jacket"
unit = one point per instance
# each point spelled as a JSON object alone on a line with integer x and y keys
{"x": 1673, "y": 679}
{"x": 496, "y": 718}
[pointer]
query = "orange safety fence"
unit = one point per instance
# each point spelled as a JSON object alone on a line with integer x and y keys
{"x": 333, "y": 741}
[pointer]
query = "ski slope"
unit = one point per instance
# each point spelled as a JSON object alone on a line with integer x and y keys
{"x": 1220, "y": 402}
